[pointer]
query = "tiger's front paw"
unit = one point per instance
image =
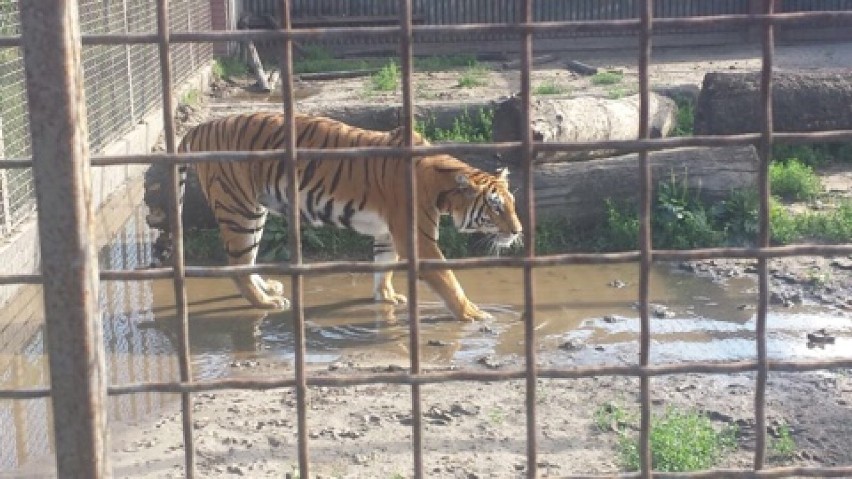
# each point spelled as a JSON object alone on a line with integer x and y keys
{"x": 274, "y": 288}
{"x": 473, "y": 313}
{"x": 278, "y": 303}
{"x": 390, "y": 296}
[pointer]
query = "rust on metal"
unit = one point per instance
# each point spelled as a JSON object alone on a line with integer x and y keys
{"x": 412, "y": 249}
{"x": 80, "y": 324}
{"x": 54, "y": 77}
{"x": 179, "y": 277}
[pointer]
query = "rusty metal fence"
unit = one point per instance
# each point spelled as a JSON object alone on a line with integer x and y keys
{"x": 120, "y": 90}
{"x": 51, "y": 42}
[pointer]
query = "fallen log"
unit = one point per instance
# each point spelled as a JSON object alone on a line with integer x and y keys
{"x": 730, "y": 103}
{"x": 338, "y": 74}
{"x": 581, "y": 68}
{"x": 576, "y": 191}
{"x": 581, "y": 119}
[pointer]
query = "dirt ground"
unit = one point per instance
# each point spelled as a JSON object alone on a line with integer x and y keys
{"x": 477, "y": 430}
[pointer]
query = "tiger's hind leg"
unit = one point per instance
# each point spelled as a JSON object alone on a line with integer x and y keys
{"x": 384, "y": 252}
{"x": 241, "y": 227}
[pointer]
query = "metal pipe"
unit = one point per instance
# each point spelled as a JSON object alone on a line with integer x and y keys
{"x": 54, "y": 77}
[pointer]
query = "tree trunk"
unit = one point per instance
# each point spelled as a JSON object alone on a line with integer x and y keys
{"x": 729, "y": 103}
{"x": 577, "y": 191}
{"x": 581, "y": 119}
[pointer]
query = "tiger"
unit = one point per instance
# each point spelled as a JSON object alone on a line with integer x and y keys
{"x": 365, "y": 194}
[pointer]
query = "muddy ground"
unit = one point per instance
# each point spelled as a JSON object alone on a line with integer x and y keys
{"x": 478, "y": 429}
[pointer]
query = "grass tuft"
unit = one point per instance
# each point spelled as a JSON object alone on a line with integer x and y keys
{"x": 387, "y": 78}
{"x": 467, "y": 128}
{"x": 229, "y": 67}
{"x": 680, "y": 441}
{"x": 794, "y": 180}
{"x": 475, "y": 75}
{"x": 551, "y": 88}
{"x": 607, "y": 78}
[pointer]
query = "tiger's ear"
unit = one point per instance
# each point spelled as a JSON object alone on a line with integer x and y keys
{"x": 503, "y": 174}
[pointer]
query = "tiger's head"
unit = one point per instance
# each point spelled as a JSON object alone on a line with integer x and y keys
{"x": 487, "y": 206}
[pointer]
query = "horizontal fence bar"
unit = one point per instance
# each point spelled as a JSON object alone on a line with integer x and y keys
{"x": 458, "y": 263}
{"x": 458, "y": 149}
{"x": 508, "y": 29}
{"x": 432, "y": 377}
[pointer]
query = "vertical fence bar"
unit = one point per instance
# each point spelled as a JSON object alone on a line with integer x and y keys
{"x": 52, "y": 63}
{"x": 176, "y": 227}
{"x": 765, "y": 152}
{"x": 128, "y": 67}
{"x": 6, "y": 220}
{"x": 645, "y": 239}
{"x": 526, "y": 16}
{"x": 295, "y": 227}
{"x": 406, "y": 55}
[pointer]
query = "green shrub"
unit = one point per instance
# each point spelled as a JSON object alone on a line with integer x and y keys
{"x": 387, "y": 78}
{"x": 474, "y": 76}
{"x": 685, "y": 118}
{"x": 444, "y": 62}
{"x": 680, "y": 441}
{"x": 607, "y": 78}
{"x": 680, "y": 219}
{"x": 467, "y": 128}
{"x": 229, "y": 67}
{"x": 550, "y": 88}
{"x": 794, "y": 180}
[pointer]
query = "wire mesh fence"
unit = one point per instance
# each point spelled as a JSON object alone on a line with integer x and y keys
{"x": 524, "y": 29}
{"x": 119, "y": 88}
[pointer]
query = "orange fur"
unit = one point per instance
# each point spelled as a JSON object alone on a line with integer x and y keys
{"x": 365, "y": 194}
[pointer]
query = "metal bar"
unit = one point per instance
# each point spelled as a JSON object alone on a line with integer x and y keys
{"x": 527, "y": 160}
{"x": 645, "y": 239}
{"x": 432, "y": 377}
{"x": 412, "y": 250}
{"x": 295, "y": 240}
{"x": 54, "y": 76}
{"x": 765, "y": 154}
{"x": 619, "y": 146}
{"x": 465, "y": 263}
{"x": 4, "y": 189}
{"x": 176, "y": 227}
{"x": 615, "y": 26}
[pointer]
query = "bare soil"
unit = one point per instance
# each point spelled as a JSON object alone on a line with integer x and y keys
{"x": 478, "y": 429}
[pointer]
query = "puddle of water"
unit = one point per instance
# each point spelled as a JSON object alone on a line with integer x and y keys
{"x": 707, "y": 321}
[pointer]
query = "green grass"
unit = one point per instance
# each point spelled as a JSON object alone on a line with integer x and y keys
{"x": 611, "y": 417}
{"x": 467, "y": 128}
{"x": 607, "y": 78}
{"x": 794, "y": 180}
{"x": 229, "y": 67}
{"x": 618, "y": 92}
{"x": 831, "y": 226}
{"x": 317, "y": 59}
{"x": 815, "y": 155}
{"x": 680, "y": 441}
{"x": 551, "y": 88}
{"x": 444, "y": 62}
{"x": 685, "y": 118}
{"x": 474, "y": 76}
{"x": 386, "y": 79}
{"x": 191, "y": 97}
{"x": 784, "y": 446}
